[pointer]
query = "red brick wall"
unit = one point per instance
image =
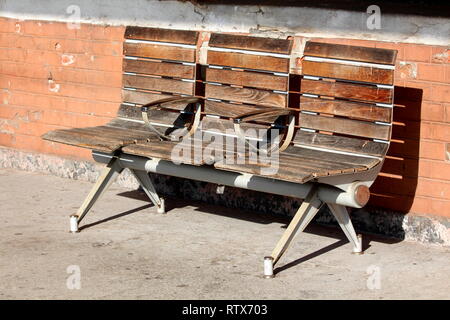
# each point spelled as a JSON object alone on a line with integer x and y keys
{"x": 54, "y": 77}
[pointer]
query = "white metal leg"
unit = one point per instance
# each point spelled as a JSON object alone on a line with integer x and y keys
{"x": 308, "y": 209}
{"x": 108, "y": 175}
{"x": 342, "y": 217}
{"x": 148, "y": 187}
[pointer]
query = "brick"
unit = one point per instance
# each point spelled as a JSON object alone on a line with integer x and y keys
{"x": 433, "y": 188}
{"x": 62, "y": 74}
{"x": 431, "y": 72}
{"x": 44, "y": 58}
{"x": 433, "y": 112}
{"x": 435, "y": 131}
{"x": 426, "y": 205}
{"x": 441, "y": 92}
{"x": 61, "y": 29}
{"x": 414, "y": 52}
{"x": 6, "y": 140}
{"x": 72, "y": 120}
{"x": 434, "y": 169}
{"x": 432, "y": 150}
{"x": 440, "y": 55}
{"x": 95, "y": 47}
{"x": 406, "y": 70}
{"x": 69, "y": 90}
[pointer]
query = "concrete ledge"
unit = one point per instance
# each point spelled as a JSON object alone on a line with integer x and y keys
{"x": 435, "y": 230}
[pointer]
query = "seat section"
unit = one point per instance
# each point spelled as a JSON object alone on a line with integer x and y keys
{"x": 300, "y": 164}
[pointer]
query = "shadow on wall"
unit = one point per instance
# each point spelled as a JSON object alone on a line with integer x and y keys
{"x": 396, "y": 184}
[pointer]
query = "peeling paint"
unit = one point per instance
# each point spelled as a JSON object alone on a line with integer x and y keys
{"x": 407, "y": 70}
{"x": 53, "y": 86}
{"x": 67, "y": 59}
{"x": 441, "y": 57}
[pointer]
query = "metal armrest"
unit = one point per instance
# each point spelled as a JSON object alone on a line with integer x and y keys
{"x": 260, "y": 115}
{"x": 158, "y": 105}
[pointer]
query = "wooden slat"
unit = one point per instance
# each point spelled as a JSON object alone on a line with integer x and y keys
{"x": 345, "y": 126}
{"x": 245, "y": 95}
{"x": 162, "y": 35}
{"x": 228, "y": 109}
{"x": 170, "y": 118}
{"x": 248, "y": 61}
{"x": 345, "y": 52}
{"x": 247, "y": 79}
{"x": 156, "y": 51}
{"x": 362, "y": 111}
{"x": 175, "y": 70}
{"x": 163, "y": 150}
{"x": 330, "y": 157}
{"x": 347, "y": 90}
{"x": 158, "y": 84}
{"x": 339, "y": 143}
{"x": 140, "y": 97}
{"x": 250, "y": 43}
{"x": 348, "y": 72}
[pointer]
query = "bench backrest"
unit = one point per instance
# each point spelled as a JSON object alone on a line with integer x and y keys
{"x": 348, "y": 91}
{"x": 158, "y": 63}
{"x": 244, "y": 73}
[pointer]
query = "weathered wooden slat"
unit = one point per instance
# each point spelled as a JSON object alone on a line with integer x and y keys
{"x": 250, "y": 43}
{"x": 282, "y": 173}
{"x": 156, "y": 51}
{"x": 174, "y": 70}
{"x": 339, "y": 143}
{"x": 347, "y": 91}
{"x": 362, "y": 111}
{"x": 248, "y": 61}
{"x": 164, "y": 150}
{"x": 247, "y": 79}
{"x": 158, "y": 84}
{"x": 162, "y": 35}
{"x": 225, "y": 126}
{"x": 348, "y": 72}
{"x": 246, "y": 95}
{"x": 99, "y": 138}
{"x": 155, "y": 116}
{"x": 345, "y": 126}
{"x": 141, "y": 97}
{"x": 228, "y": 109}
{"x": 330, "y": 158}
{"x": 345, "y": 52}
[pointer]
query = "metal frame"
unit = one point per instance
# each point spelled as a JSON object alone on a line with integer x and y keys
{"x": 314, "y": 195}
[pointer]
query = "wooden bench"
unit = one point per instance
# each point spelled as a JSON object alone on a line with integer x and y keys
{"x": 241, "y": 119}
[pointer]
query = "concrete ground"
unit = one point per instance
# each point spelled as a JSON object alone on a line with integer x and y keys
{"x": 196, "y": 251}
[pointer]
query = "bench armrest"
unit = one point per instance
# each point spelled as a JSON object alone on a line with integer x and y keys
{"x": 263, "y": 114}
{"x": 159, "y": 104}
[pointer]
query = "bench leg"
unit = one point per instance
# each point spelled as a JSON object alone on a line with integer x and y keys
{"x": 148, "y": 187}
{"x": 108, "y": 175}
{"x": 308, "y": 209}
{"x": 342, "y": 217}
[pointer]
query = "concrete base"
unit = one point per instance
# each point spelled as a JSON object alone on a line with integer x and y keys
{"x": 379, "y": 221}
